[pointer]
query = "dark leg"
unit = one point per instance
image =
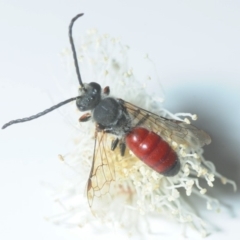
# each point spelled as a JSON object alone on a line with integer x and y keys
{"x": 114, "y": 144}
{"x": 122, "y": 147}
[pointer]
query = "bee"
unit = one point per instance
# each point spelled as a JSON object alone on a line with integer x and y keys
{"x": 147, "y": 135}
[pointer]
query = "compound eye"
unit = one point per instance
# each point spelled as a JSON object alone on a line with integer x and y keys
{"x": 96, "y": 88}
{"x": 80, "y": 104}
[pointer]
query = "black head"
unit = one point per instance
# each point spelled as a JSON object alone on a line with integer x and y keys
{"x": 89, "y": 96}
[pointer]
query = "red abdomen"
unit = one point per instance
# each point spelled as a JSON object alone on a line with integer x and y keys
{"x": 153, "y": 151}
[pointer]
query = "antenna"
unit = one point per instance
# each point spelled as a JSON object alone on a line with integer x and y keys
{"x": 73, "y": 49}
{"x": 66, "y": 101}
{"x": 39, "y": 114}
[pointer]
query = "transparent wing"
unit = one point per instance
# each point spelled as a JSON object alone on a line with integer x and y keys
{"x": 169, "y": 129}
{"x": 102, "y": 171}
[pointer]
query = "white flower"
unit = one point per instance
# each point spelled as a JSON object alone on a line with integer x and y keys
{"x": 137, "y": 190}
